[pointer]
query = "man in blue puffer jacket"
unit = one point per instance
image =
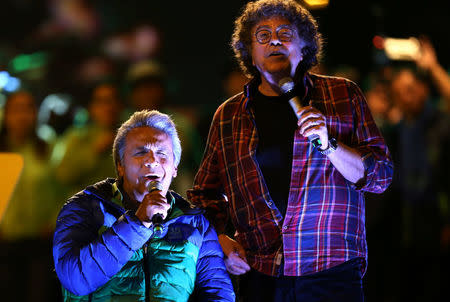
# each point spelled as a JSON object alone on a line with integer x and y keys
{"x": 106, "y": 247}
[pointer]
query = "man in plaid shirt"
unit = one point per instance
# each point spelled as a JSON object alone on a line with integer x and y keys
{"x": 297, "y": 208}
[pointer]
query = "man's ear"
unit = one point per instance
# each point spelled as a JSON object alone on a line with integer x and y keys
{"x": 120, "y": 170}
{"x": 175, "y": 172}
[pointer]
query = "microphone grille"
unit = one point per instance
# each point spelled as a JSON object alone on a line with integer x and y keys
{"x": 286, "y": 84}
{"x": 154, "y": 185}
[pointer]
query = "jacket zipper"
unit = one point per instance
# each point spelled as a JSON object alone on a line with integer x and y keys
{"x": 146, "y": 274}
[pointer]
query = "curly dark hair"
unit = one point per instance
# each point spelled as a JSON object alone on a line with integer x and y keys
{"x": 299, "y": 16}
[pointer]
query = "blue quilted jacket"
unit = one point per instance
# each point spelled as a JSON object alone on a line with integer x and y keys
{"x": 103, "y": 253}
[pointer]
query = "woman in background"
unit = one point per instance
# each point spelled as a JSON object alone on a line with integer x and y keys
{"x": 26, "y": 226}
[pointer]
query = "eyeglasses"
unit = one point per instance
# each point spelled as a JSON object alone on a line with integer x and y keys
{"x": 284, "y": 34}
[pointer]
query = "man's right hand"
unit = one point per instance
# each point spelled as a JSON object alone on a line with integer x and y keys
{"x": 235, "y": 259}
{"x": 153, "y": 203}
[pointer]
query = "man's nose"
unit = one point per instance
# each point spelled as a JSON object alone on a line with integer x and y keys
{"x": 274, "y": 40}
{"x": 151, "y": 160}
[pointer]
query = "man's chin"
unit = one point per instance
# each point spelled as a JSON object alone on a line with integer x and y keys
{"x": 279, "y": 71}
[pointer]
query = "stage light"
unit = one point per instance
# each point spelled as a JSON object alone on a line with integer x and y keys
{"x": 57, "y": 103}
{"x": 4, "y": 76}
{"x": 8, "y": 83}
{"x": 313, "y": 4}
{"x": 12, "y": 85}
{"x": 378, "y": 42}
{"x": 24, "y": 62}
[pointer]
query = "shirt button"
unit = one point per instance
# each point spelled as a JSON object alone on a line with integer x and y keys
{"x": 284, "y": 228}
{"x": 270, "y": 203}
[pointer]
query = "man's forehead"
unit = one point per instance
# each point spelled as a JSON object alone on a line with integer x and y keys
{"x": 148, "y": 136}
{"x": 268, "y": 22}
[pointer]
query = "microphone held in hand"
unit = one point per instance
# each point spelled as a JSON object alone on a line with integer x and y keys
{"x": 157, "y": 218}
{"x": 154, "y": 185}
{"x": 287, "y": 87}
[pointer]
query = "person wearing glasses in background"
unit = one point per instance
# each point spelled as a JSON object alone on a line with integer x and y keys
{"x": 297, "y": 206}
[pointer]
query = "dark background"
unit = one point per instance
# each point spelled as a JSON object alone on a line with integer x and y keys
{"x": 195, "y": 37}
{"x": 196, "y": 34}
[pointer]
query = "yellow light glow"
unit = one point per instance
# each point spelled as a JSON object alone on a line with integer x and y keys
{"x": 316, "y": 3}
{"x": 12, "y": 165}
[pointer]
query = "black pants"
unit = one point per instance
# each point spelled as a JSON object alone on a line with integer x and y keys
{"x": 340, "y": 283}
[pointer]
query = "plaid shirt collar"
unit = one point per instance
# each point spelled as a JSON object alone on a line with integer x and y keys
{"x": 251, "y": 87}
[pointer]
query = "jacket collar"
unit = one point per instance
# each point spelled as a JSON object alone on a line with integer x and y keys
{"x": 110, "y": 191}
{"x": 121, "y": 198}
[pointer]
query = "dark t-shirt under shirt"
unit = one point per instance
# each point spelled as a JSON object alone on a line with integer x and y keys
{"x": 276, "y": 123}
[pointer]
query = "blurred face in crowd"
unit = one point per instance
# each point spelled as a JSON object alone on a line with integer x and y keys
{"x": 105, "y": 106}
{"x": 148, "y": 95}
{"x": 378, "y": 100}
{"x": 276, "y": 47}
{"x": 409, "y": 93}
{"x": 148, "y": 156}
{"x": 20, "y": 115}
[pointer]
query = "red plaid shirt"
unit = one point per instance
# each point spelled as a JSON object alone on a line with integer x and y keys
{"x": 324, "y": 223}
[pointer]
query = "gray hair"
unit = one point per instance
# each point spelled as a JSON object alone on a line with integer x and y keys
{"x": 146, "y": 118}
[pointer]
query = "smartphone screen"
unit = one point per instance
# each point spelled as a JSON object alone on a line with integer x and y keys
{"x": 402, "y": 49}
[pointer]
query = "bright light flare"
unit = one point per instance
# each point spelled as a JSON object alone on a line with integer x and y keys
{"x": 402, "y": 49}
{"x": 8, "y": 83}
{"x": 312, "y": 4}
{"x": 4, "y": 77}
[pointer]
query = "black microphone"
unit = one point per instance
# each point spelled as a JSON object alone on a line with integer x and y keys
{"x": 157, "y": 218}
{"x": 286, "y": 85}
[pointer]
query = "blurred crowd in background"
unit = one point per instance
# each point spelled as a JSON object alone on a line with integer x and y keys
{"x": 69, "y": 84}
